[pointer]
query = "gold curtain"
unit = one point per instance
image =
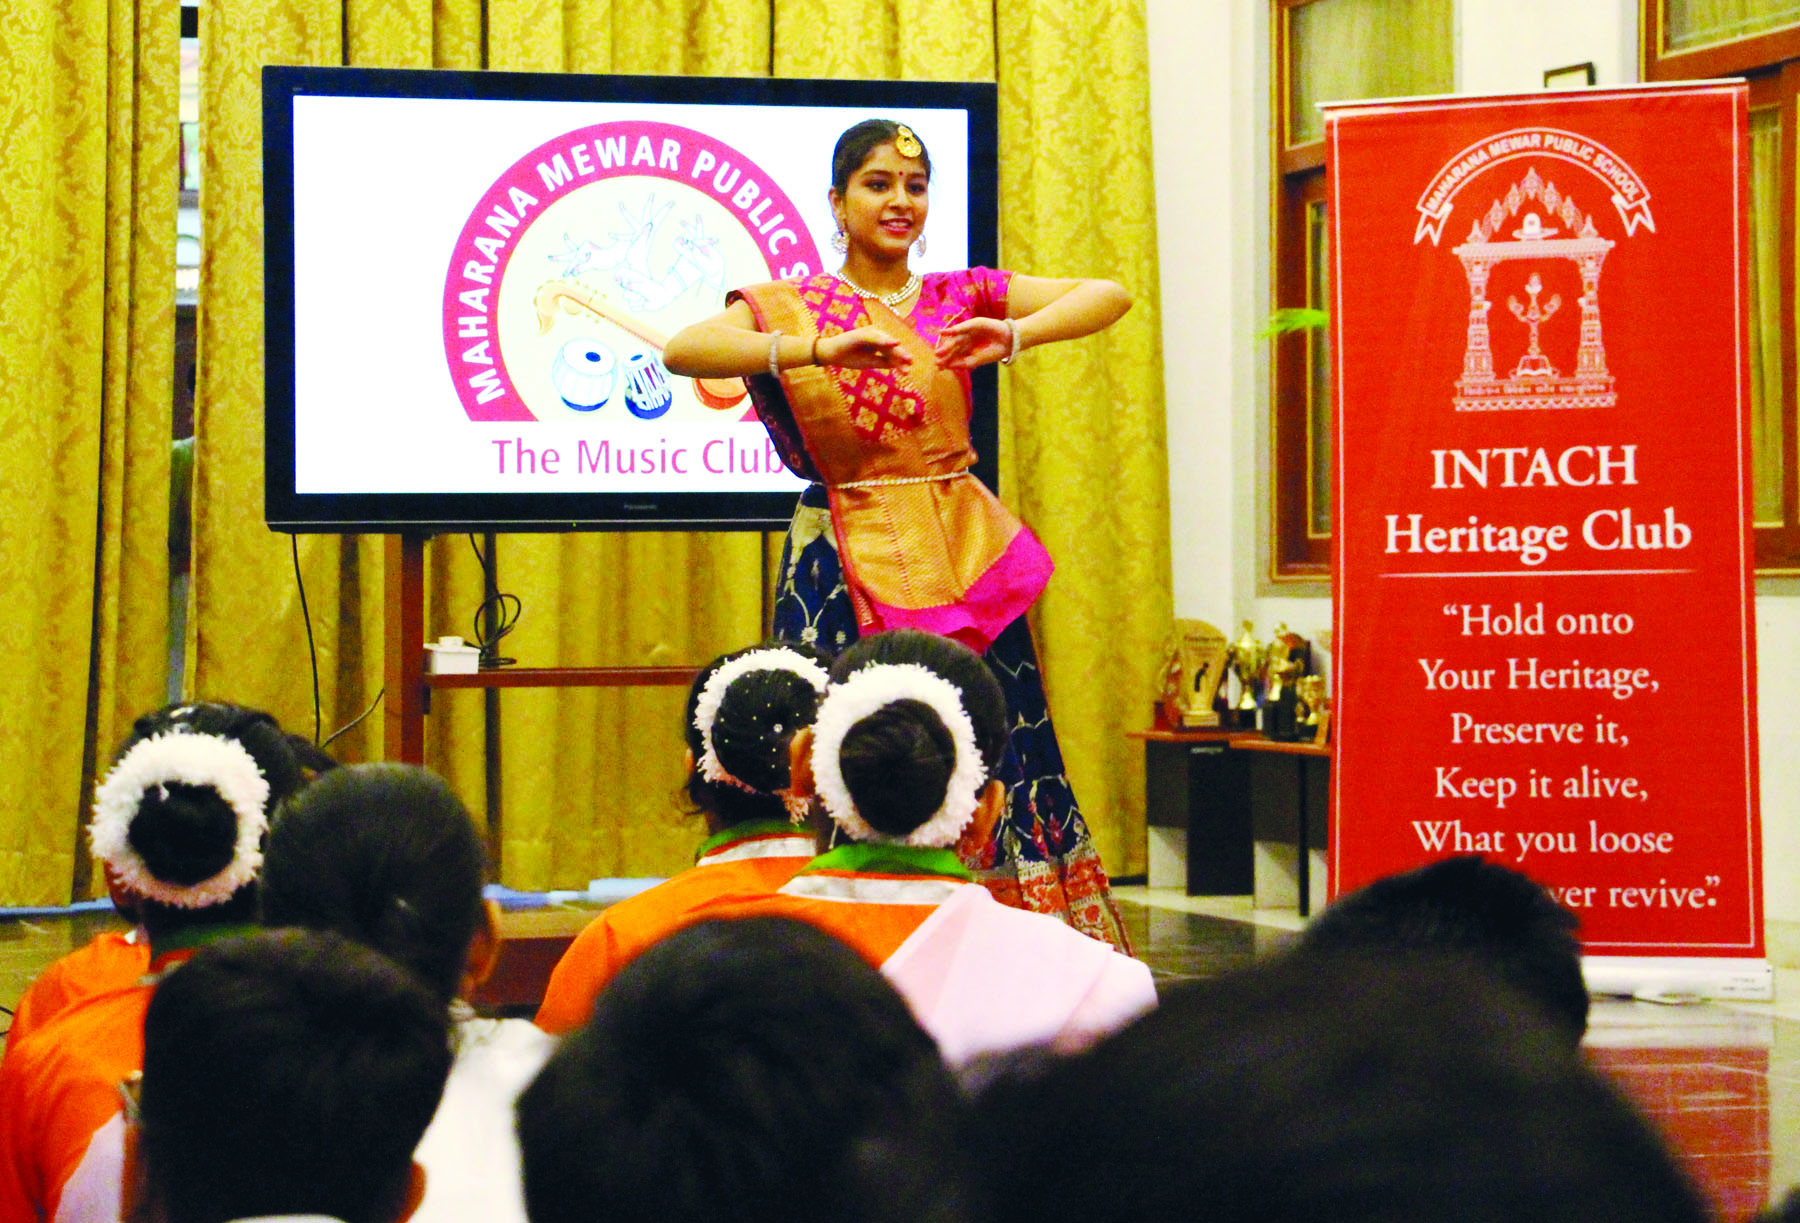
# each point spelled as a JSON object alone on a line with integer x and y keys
{"x": 1765, "y": 315}
{"x": 1344, "y": 50}
{"x": 1084, "y": 448}
{"x": 1698, "y": 23}
{"x": 87, "y": 286}
{"x": 588, "y": 775}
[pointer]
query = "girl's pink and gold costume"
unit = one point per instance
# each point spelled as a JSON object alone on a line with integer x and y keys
{"x": 898, "y": 533}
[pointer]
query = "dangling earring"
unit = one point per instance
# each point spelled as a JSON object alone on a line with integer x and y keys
{"x": 919, "y": 246}
{"x": 840, "y": 241}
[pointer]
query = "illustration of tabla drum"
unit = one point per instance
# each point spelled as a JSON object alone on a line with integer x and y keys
{"x": 585, "y": 373}
{"x": 647, "y": 391}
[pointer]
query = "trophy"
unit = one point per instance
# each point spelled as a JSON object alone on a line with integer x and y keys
{"x": 1246, "y": 661}
{"x": 1315, "y": 716}
{"x": 1193, "y": 670}
{"x": 1284, "y": 662}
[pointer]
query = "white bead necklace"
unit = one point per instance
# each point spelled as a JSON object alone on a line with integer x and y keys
{"x": 890, "y": 300}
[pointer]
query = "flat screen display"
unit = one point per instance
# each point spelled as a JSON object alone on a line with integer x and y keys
{"x": 471, "y": 275}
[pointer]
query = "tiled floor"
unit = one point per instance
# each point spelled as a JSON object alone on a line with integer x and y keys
{"x": 1723, "y": 1080}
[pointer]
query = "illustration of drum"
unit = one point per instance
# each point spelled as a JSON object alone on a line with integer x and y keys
{"x": 585, "y": 373}
{"x": 647, "y": 391}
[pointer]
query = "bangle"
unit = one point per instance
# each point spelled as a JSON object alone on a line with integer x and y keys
{"x": 775, "y": 354}
{"x": 815, "y": 350}
{"x": 1012, "y": 332}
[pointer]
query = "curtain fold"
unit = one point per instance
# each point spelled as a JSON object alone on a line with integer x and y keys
{"x": 87, "y": 219}
{"x": 1765, "y": 316}
{"x": 1083, "y": 443}
{"x": 1697, "y": 23}
{"x": 130, "y": 647}
{"x": 1349, "y": 49}
{"x": 588, "y": 775}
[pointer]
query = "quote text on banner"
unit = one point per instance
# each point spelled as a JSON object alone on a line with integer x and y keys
{"x": 1543, "y": 619}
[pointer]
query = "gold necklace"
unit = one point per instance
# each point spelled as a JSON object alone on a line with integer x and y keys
{"x": 890, "y": 300}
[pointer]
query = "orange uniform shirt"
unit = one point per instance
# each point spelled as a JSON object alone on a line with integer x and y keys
{"x": 750, "y": 859}
{"x": 872, "y": 898}
{"x": 979, "y": 976}
{"x": 113, "y": 960}
{"x": 57, "y": 1088}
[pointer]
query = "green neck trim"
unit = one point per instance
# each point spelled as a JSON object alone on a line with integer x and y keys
{"x": 745, "y": 831}
{"x": 194, "y": 937}
{"x": 892, "y": 860}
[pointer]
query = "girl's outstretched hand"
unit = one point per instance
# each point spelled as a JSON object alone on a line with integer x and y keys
{"x": 864, "y": 348}
{"x": 973, "y": 342}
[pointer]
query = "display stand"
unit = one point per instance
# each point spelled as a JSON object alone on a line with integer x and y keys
{"x": 1203, "y": 781}
{"x": 409, "y": 686}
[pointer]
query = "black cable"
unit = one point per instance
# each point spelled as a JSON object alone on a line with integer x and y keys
{"x": 333, "y": 736}
{"x": 495, "y": 618}
{"x": 312, "y": 650}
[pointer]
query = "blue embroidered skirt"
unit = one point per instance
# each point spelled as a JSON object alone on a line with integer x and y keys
{"x": 1042, "y": 857}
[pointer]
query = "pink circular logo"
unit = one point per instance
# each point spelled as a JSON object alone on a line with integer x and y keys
{"x": 589, "y": 251}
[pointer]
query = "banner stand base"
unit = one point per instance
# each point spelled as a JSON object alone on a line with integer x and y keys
{"x": 1679, "y": 978}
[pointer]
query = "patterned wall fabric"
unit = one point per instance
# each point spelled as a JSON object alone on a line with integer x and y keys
{"x": 588, "y": 775}
{"x": 87, "y": 233}
{"x": 1083, "y": 443}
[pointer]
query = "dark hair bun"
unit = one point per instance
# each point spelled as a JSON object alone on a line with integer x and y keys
{"x": 758, "y": 715}
{"x": 757, "y": 719}
{"x": 896, "y": 763}
{"x": 185, "y": 834}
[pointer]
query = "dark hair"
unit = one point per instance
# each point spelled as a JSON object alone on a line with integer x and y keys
{"x": 752, "y": 1071}
{"x": 757, "y": 719}
{"x": 186, "y": 834}
{"x": 1338, "y": 1088}
{"x": 288, "y": 1072}
{"x": 385, "y": 854}
{"x": 1787, "y": 1210}
{"x": 1467, "y": 905}
{"x": 314, "y": 760}
{"x": 897, "y": 762}
{"x": 855, "y": 145}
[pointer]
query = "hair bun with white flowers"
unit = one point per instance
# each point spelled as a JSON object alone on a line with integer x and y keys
{"x": 895, "y": 757}
{"x": 180, "y": 816}
{"x": 746, "y": 711}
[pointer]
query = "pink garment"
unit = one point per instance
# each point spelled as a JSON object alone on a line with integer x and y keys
{"x": 998, "y": 597}
{"x": 983, "y": 977}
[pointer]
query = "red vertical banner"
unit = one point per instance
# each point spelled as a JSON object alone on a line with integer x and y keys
{"x": 1544, "y": 637}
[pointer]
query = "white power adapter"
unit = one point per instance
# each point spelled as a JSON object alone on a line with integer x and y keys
{"x": 451, "y": 656}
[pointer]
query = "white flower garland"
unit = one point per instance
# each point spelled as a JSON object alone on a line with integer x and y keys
{"x": 871, "y": 689}
{"x": 712, "y": 695}
{"x": 191, "y": 759}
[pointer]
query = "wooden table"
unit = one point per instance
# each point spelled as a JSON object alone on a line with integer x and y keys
{"x": 531, "y": 942}
{"x": 1209, "y": 783}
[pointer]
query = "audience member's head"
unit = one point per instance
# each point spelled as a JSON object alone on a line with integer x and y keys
{"x": 743, "y": 712}
{"x": 754, "y": 1071}
{"x": 385, "y": 854}
{"x": 287, "y": 1072}
{"x": 906, "y": 741}
{"x": 1467, "y": 906}
{"x": 179, "y": 817}
{"x": 1337, "y": 1088}
{"x": 1787, "y": 1210}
